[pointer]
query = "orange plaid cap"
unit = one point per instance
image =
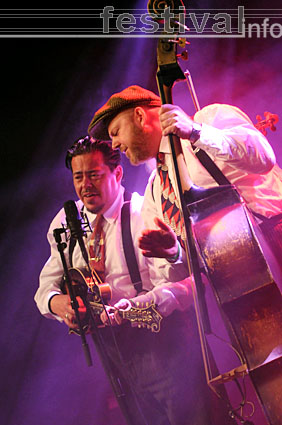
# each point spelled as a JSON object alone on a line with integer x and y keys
{"x": 128, "y": 98}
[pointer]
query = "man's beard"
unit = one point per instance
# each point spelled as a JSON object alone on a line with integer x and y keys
{"x": 139, "y": 151}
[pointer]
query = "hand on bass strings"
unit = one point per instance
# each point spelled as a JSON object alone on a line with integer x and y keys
{"x": 161, "y": 243}
{"x": 174, "y": 120}
{"x": 113, "y": 317}
{"x": 61, "y": 306}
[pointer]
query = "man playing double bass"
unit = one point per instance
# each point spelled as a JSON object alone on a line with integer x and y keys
{"x": 138, "y": 125}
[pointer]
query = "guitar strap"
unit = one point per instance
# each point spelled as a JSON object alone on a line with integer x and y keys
{"x": 127, "y": 242}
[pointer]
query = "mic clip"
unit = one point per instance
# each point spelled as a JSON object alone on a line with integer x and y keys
{"x": 85, "y": 227}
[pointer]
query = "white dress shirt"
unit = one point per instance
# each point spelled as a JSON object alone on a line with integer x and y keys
{"x": 240, "y": 151}
{"x": 167, "y": 295}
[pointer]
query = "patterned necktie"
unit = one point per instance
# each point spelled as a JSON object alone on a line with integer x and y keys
{"x": 97, "y": 247}
{"x": 170, "y": 204}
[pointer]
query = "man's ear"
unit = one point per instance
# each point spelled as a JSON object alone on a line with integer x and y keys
{"x": 139, "y": 116}
{"x": 119, "y": 173}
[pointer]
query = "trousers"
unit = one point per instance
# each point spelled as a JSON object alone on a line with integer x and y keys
{"x": 160, "y": 377}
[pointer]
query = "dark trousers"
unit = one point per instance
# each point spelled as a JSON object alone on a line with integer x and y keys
{"x": 162, "y": 375}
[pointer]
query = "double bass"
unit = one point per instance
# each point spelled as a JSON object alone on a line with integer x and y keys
{"x": 243, "y": 274}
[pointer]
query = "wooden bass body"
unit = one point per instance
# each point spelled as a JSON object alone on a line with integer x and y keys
{"x": 241, "y": 271}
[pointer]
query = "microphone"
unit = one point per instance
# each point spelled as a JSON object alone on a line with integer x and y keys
{"x": 74, "y": 224}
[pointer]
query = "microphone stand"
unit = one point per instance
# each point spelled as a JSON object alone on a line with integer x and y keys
{"x": 115, "y": 380}
{"x": 96, "y": 337}
{"x": 61, "y": 247}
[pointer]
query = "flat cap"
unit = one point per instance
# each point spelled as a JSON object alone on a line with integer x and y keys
{"x": 128, "y": 98}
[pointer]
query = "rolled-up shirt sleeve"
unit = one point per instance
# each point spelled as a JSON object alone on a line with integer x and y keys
{"x": 167, "y": 296}
{"x": 51, "y": 274}
{"x": 228, "y": 135}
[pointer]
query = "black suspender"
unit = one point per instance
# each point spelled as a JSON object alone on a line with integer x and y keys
{"x": 128, "y": 246}
{"x": 127, "y": 242}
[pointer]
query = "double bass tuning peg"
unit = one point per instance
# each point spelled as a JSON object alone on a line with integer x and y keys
{"x": 183, "y": 55}
{"x": 269, "y": 122}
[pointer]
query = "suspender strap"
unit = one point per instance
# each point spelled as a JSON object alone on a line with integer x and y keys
{"x": 211, "y": 167}
{"x": 127, "y": 242}
{"x": 128, "y": 247}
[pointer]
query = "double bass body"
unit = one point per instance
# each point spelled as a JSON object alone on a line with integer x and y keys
{"x": 245, "y": 278}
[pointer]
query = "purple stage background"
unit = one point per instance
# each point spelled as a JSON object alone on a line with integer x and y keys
{"x": 50, "y": 89}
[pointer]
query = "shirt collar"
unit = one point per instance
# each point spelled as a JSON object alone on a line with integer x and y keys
{"x": 164, "y": 145}
{"x": 112, "y": 213}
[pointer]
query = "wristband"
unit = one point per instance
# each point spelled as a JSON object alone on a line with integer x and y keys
{"x": 176, "y": 256}
{"x": 195, "y": 133}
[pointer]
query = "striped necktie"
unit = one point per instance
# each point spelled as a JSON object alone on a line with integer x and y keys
{"x": 170, "y": 204}
{"x": 97, "y": 247}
